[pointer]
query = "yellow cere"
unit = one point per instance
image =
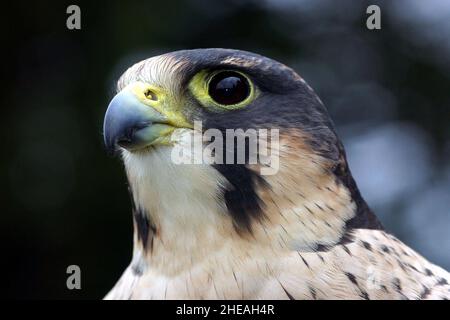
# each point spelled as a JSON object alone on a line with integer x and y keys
{"x": 199, "y": 88}
{"x": 161, "y": 102}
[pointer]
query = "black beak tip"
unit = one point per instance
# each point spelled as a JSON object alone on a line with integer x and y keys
{"x": 114, "y": 139}
{"x": 110, "y": 141}
{"x": 110, "y": 147}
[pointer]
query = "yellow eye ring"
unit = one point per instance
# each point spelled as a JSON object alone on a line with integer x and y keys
{"x": 223, "y": 89}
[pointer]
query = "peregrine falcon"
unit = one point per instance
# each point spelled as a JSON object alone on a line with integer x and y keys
{"x": 224, "y": 230}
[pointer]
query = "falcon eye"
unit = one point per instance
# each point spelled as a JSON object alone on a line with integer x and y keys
{"x": 221, "y": 90}
{"x": 228, "y": 88}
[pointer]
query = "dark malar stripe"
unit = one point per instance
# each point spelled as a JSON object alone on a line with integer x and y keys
{"x": 143, "y": 225}
{"x": 241, "y": 199}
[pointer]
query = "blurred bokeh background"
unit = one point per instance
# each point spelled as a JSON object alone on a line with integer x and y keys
{"x": 64, "y": 201}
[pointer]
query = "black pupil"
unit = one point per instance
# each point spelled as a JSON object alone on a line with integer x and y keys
{"x": 228, "y": 88}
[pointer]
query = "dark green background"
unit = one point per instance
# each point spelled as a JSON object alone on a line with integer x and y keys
{"x": 64, "y": 201}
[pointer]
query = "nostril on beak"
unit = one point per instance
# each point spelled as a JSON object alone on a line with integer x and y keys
{"x": 149, "y": 94}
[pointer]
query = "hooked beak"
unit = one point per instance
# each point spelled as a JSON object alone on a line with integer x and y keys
{"x": 132, "y": 124}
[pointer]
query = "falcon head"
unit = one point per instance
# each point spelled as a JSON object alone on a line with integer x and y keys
{"x": 310, "y": 202}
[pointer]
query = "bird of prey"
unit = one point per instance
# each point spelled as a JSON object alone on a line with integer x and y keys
{"x": 223, "y": 230}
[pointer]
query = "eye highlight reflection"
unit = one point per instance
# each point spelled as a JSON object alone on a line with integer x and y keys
{"x": 228, "y": 88}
